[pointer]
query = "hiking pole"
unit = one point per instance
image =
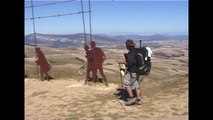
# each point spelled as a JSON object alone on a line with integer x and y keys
{"x": 121, "y": 87}
{"x": 142, "y": 78}
{"x": 140, "y": 83}
{"x": 120, "y": 103}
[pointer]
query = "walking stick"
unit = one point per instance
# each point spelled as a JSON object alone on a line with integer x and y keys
{"x": 121, "y": 88}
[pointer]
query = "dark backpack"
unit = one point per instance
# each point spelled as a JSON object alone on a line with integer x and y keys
{"x": 143, "y": 66}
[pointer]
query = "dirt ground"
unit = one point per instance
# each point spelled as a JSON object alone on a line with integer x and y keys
{"x": 164, "y": 91}
{"x": 70, "y": 99}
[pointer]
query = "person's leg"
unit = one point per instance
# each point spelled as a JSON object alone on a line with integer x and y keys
{"x": 127, "y": 85}
{"x": 45, "y": 75}
{"x": 136, "y": 86}
{"x": 94, "y": 74}
{"x": 129, "y": 91}
{"x": 103, "y": 76}
{"x": 138, "y": 99}
{"x": 41, "y": 74}
{"x": 132, "y": 99}
{"x": 88, "y": 73}
{"x": 138, "y": 93}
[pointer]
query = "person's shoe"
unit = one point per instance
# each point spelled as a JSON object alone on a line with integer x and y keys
{"x": 49, "y": 78}
{"x": 138, "y": 102}
{"x": 45, "y": 78}
{"x": 130, "y": 101}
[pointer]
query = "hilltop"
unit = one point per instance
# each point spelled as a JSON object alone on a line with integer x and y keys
{"x": 113, "y": 41}
{"x": 165, "y": 90}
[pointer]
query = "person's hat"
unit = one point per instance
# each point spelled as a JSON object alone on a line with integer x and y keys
{"x": 92, "y": 43}
{"x": 130, "y": 42}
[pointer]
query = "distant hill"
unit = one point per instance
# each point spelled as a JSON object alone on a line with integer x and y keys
{"x": 150, "y": 37}
{"x": 65, "y": 40}
{"x": 56, "y": 40}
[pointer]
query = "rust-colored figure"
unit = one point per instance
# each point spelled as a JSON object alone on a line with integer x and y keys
{"x": 44, "y": 64}
{"x": 98, "y": 57}
{"x": 89, "y": 62}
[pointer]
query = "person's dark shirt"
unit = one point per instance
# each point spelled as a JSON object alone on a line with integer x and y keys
{"x": 131, "y": 60}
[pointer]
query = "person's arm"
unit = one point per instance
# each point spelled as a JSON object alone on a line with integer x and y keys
{"x": 103, "y": 55}
{"x": 122, "y": 62}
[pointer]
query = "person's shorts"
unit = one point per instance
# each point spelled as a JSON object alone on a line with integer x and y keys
{"x": 129, "y": 79}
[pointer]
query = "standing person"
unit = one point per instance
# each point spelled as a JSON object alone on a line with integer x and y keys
{"x": 89, "y": 62}
{"x": 130, "y": 80}
{"x": 44, "y": 64}
{"x": 98, "y": 57}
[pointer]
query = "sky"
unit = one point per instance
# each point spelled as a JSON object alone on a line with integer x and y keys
{"x": 107, "y": 17}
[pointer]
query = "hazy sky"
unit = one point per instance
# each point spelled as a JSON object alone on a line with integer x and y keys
{"x": 108, "y": 16}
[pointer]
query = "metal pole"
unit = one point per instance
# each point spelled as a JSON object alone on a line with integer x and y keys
{"x": 82, "y": 11}
{"x": 34, "y": 34}
{"x": 90, "y": 22}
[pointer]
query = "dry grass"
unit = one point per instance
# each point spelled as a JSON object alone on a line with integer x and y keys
{"x": 164, "y": 91}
